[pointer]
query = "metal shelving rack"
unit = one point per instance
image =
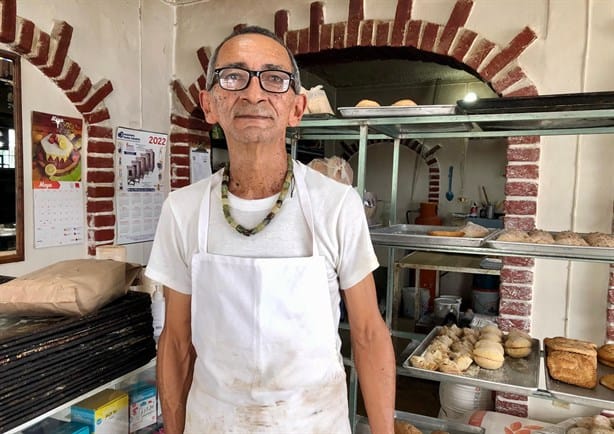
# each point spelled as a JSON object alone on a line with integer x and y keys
{"x": 536, "y": 123}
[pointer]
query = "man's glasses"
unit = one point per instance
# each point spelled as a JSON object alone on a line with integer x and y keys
{"x": 271, "y": 80}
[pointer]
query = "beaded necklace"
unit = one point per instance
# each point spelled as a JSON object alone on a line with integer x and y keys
{"x": 267, "y": 219}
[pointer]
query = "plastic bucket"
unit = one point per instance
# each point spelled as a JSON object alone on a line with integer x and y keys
{"x": 445, "y": 304}
{"x": 485, "y": 302}
{"x": 458, "y": 399}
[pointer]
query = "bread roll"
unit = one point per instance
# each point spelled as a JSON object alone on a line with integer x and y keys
{"x": 599, "y": 239}
{"x": 605, "y": 354}
{"x": 569, "y": 238}
{"x": 402, "y": 427}
{"x": 367, "y": 103}
{"x": 513, "y": 235}
{"x": 517, "y": 345}
{"x": 404, "y": 103}
{"x": 572, "y": 361}
{"x": 488, "y": 355}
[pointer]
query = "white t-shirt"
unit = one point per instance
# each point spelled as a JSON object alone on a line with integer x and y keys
{"x": 342, "y": 235}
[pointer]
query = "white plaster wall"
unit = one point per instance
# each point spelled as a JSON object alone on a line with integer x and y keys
{"x": 129, "y": 42}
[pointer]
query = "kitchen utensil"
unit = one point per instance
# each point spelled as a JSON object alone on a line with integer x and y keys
{"x": 449, "y": 194}
{"x": 485, "y": 195}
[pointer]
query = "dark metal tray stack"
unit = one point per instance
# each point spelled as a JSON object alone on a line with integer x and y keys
{"x": 45, "y": 362}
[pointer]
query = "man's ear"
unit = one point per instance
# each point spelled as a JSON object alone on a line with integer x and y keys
{"x": 204, "y": 97}
{"x": 300, "y": 104}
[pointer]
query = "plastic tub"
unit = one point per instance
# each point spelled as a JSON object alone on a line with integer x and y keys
{"x": 485, "y": 301}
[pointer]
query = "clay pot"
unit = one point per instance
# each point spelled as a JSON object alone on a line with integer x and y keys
{"x": 428, "y": 214}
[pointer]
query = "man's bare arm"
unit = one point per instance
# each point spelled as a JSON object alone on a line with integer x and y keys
{"x": 175, "y": 361}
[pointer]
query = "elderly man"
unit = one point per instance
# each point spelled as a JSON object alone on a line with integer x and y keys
{"x": 255, "y": 260}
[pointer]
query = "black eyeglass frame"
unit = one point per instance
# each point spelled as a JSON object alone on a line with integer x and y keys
{"x": 252, "y": 73}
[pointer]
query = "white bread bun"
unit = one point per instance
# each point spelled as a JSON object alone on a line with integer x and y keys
{"x": 488, "y": 355}
{"x": 404, "y": 103}
{"x": 367, "y": 103}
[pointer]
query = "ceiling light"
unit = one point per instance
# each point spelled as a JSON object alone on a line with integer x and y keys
{"x": 470, "y": 97}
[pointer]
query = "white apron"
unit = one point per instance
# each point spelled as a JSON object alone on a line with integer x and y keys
{"x": 265, "y": 342}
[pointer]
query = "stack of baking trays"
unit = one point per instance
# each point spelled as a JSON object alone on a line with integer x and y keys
{"x": 45, "y": 362}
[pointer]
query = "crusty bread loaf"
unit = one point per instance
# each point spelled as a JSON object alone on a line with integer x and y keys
{"x": 513, "y": 235}
{"x": 572, "y": 361}
{"x": 607, "y": 381}
{"x": 404, "y": 103}
{"x": 402, "y": 427}
{"x": 367, "y": 103}
{"x": 600, "y": 239}
{"x": 569, "y": 238}
{"x": 605, "y": 354}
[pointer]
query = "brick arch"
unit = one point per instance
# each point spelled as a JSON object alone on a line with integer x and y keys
{"x": 49, "y": 53}
{"x": 496, "y": 65}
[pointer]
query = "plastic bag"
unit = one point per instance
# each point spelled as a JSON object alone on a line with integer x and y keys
{"x": 334, "y": 167}
{"x": 317, "y": 101}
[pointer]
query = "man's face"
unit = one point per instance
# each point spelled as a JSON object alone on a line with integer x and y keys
{"x": 253, "y": 115}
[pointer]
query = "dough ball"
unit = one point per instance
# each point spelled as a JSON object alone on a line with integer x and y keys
{"x": 367, "y": 103}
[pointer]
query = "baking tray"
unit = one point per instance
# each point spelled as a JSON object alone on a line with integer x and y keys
{"x": 394, "y": 111}
{"x": 417, "y": 235}
{"x": 600, "y": 396}
{"x": 553, "y": 250}
{"x": 540, "y": 104}
{"x": 427, "y": 424}
{"x": 515, "y": 376}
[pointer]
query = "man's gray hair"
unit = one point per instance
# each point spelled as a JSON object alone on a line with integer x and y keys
{"x": 257, "y": 31}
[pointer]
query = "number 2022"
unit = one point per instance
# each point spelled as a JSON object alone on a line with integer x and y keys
{"x": 155, "y": 140}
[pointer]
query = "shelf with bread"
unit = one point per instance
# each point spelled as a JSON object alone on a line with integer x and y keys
{"x": 555, "y": 115}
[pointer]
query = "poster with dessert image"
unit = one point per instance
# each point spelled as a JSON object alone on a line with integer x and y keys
{"x": 140, "y": 165}
{"x": 56, "y": 180}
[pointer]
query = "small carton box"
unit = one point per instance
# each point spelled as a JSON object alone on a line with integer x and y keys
{"x": 55, "y": 426}
{"x": 105, "y": 412}
{"x": 143, "y": 404}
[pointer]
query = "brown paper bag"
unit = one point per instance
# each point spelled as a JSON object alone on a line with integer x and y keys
{"x": 72, "y": 288}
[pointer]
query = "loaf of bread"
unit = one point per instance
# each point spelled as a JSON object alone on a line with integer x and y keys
{"x": 404, "y": 103}
{"x": 513, "y": 235}
{"x": 402, "y": 427}
{"x": 367, "y": 103}
{"x": 605, "y": 354}
{"x": 569, "y": 238}
{"x": 572, "y": 361}
{"x": 600, "y": 239}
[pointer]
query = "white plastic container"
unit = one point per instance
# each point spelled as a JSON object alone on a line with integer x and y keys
{"x": 485, "y": 301}
{"x": 157, "y": 311}
{"x": 459, "y": 399}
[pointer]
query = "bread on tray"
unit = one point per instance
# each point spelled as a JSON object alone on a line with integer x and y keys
{"x": 572, "y": 361}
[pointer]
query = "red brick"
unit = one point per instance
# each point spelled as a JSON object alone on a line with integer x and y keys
{"x": 518, "y": 261}
{"x": 401, "y": 17}
{"x": 429, "y": 37}
{"x": 506, "y": 323}
{"x": 458, "y": 18}
{"x": 101, "y": 192}
{"x": 512, "y": 396}
{"x": 104, "y": 235}
{"x": 511, "y": 77}
{"x": 179, "y": 183}
{"x": 68, "y": 81}
{"x": 180, "y": 172}
{"x": 316, "y": 19}
{"x": 520, "y": 223}
{"x": 25, "y": 36}
{"x": 101, "y": 90}
{"x": 523, "y": 140}
{"x": 414, "y": 29}
{"x": 97, "y": 116}
{"x": 191, "y": 123}
{"x": 512, "y": 408}
{"x": 180, "y": 150}
{"x": 339, "y": 35}
{"x": 292, "y": 41}
{"x": 282, "y": 19}
{"x": 611, "y": 279}
{"x": 100, "y": 221}
{"x": 367, "y": 28}
{"x": 356, "y": 14}
{"x": 100, "y": 176}
{"x": 517, "y": 308}
{"x": 188, "y": 138}
{"x": 525, "y": 91}
{"x": 478, "y": 53}
{"x": 432, "y": 161}
{"x": 433, "y": 197}
{"x": 522, "y": 154}
{"x": 520, "y": 207}
{"x": 303, "y": 41}
{"x": 202, "y": 82}
{"x": 62, "y": 34}
{"x": 203, "y": 59}
{"x": 326, "y": 37}
{"x": 434, "y": 171}
{"x": 194, "y": 92}
{"x": 516, "y": 276}
{"x": 101, "y": 147}
{"x": 41, "y": 49}
{"x": 610, "y": 332}
{"x": 516, "y": 292}
{"x": 522, "y": 171}
{"x": 521, "y": 189}
{"x": 509, "y": 53}
{"x": 610, "y": 295}
{"x": 8, "y": 17}
{"x": 184, "y": 98}
{"x": 463, "y": 43}
{"x": 445, "y": 40}
{"x": 610, "y": 315}
{"x": 180, "y": 160}
{"x": 79, "y": 94}
{"x": 381, "y": 34}
{"x": 97, "y": 131}
{"x": 100, "y": 162}
{"x": 96, "y": 206}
